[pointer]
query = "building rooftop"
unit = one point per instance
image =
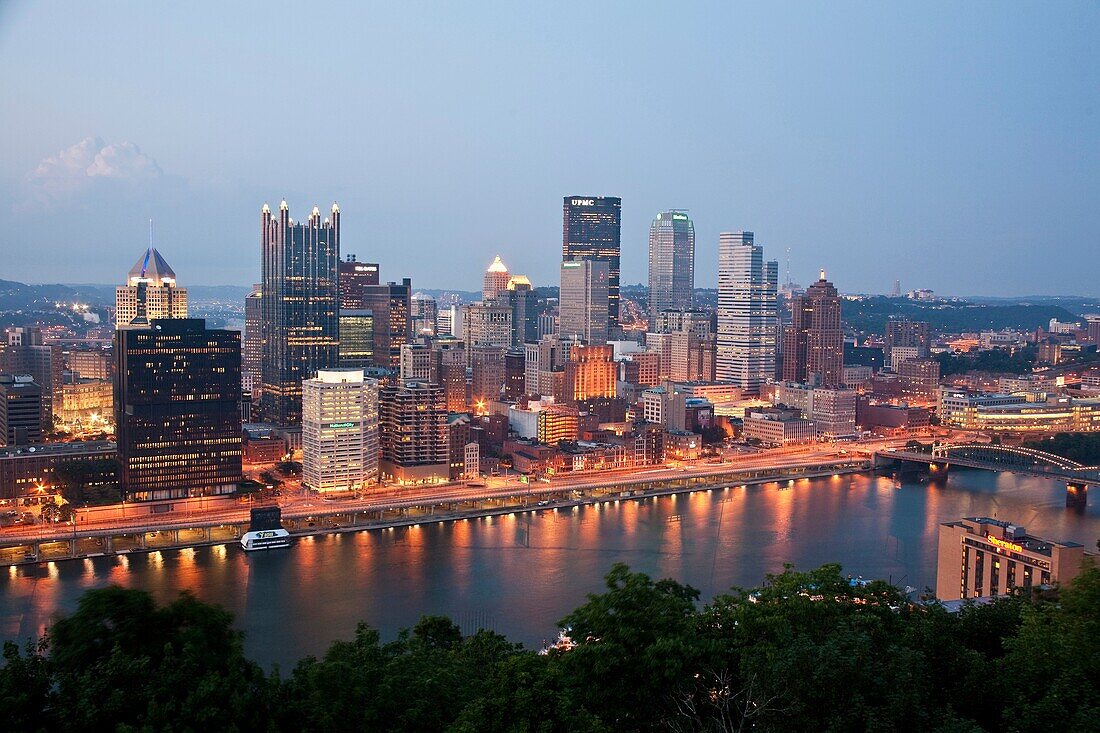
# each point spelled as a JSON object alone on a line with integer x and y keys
{"x": 151, "y": 267}
{"x": 57, "y": 449}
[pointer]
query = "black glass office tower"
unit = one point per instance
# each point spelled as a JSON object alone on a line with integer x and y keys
{"x": 590, "y": 231}
{"x": 177, "y": 412}
{"x": 300, "y": 302}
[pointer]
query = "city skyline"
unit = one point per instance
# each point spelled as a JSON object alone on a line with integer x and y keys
{"x": 924, "y": 137}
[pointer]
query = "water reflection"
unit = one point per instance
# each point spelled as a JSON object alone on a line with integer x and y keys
{"x": 520, "y": 574}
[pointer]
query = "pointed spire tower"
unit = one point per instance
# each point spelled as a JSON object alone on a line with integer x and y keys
{"x": 150, "y": 291}
{"x": 496, "y": 280}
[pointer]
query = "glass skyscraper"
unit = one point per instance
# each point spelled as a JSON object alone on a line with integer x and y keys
{"x": 747, "y": 315}
{"x": 590, "y": 231}
{"x": 671, "y": 262}
{"x": 300, "y": 303}
{"x": 177, "y": 409}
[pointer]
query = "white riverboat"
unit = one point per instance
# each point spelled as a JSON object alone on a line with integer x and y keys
{"x": 265, "y": 539}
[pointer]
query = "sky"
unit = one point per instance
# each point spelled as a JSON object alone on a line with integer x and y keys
{"x": 952, "y": 146}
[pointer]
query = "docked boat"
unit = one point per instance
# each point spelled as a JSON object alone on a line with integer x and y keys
{"x": 265, "y": 530}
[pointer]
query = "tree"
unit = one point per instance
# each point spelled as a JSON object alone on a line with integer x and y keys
{"x": 88, "y": 482}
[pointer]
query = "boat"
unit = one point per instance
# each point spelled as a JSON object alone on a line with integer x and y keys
{"x": 265, "y": 539}
{"x": 265, "y": 530}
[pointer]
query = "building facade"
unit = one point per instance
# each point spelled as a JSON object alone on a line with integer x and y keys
{"x": 813, "y": 343}
{"x": 980, "y": 557}
{"x": 177, "y": 415}
{"x": 339, "y": 431}
{"x": 150, "y": 292}
{"x": 252, "y": 341}
{"x": 671, "y": 262}
{"x": 414, "y": 446}
{"x": 747, "y": 316}
{"x": 591, "y": 228}
{"x": 583, "y": 299}
{"x": 354, "y": 276}
{"x": 300, "y": 306}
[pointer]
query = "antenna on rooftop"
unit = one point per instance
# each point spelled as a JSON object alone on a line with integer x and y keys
{"x": 150, "y": 233}
{"x": 788, "y": 265}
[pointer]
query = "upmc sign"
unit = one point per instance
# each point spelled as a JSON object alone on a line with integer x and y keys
{"x": 584, "y": 202}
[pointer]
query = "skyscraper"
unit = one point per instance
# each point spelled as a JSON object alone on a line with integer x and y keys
{"x": 353, "y": 276}
{"x": 150, "y": 292}
{"x": 906, "y": 333}
{"x": 252, "y": 341}
{"x": 27, "y": 352}
{"x": 300, "y": 299}
{"x": 391, "y": 306}
{"x": 495, "y": 280}
{"x": 813, "y": 343}
{"x": 177, "y": 416}
{"x": 747, "y": 317}
{"x": 20, "y": 410}
{"x": 591, "y": 231}
{"x": 583, "y": 300}
{"x": 339, "y": 430}
{"x": 413, "y": 418}
{"x": 424, "y": 312}
{"x": 356, "y": 338}
{"x": 671, "y": 262}
{"x": 524, "y": 316}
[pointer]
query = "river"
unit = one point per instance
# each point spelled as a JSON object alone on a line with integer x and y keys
{"x": 519, "y": 574}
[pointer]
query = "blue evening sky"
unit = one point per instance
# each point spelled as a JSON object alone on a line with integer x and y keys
{"x": 955, "y": 146}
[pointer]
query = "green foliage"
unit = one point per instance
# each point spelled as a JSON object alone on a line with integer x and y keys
{"x": 88, "y": 482}
{"x": 1081, "y": 447}
{"x": 806, "y": 651}
{"x": 998, "y": 361}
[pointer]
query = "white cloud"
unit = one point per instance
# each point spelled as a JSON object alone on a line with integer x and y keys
{"x": 83, "y": 166}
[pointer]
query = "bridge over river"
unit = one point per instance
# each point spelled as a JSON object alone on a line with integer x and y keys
{"x": 993, "y": 457}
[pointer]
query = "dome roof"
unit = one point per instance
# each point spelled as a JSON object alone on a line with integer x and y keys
{"x": 152, "y": 267}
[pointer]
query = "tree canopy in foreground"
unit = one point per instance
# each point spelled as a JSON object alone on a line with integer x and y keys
{"x": 807, "y": 651}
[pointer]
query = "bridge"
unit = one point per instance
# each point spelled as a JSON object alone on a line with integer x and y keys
{"x": 991, "y": 457}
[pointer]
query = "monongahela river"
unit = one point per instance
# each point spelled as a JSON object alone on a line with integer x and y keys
{"x": 519, "y": 575}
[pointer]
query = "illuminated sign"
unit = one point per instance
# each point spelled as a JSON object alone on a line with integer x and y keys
{"x": 342, "y": 425}
{"x": 681, "y": 217}
{"x": 583, "y": 202}
{"x": 365, "y": 268}
{"x": 1004, "y": 544}
{"x": 266, "y": 535}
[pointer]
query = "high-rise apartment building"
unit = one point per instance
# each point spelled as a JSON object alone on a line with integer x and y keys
{"x": 413, "y": 418}
{"x": 354, "y": 276}
{"x": 813, "y": 343}
{"x": 671, "y": 262}
{"x": 391, "y": 306}
{"x": 449, "y": 371}
{"x": 583, "y": 298}
{"x": 747, "y": 317}
{"x": 300, "y": 304}
{"x": 150, "y": 292}
{"x": 177, "y": 414}
{"x": 591, "y": 231}
{"x": 339, "y": 430}
{"x": 252, "y": 341}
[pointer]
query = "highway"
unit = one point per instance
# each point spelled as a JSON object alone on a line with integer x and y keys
{"x": 302, "y": 505}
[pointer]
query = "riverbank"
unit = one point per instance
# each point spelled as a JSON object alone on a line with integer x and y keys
{"x": 334, "y": 518}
